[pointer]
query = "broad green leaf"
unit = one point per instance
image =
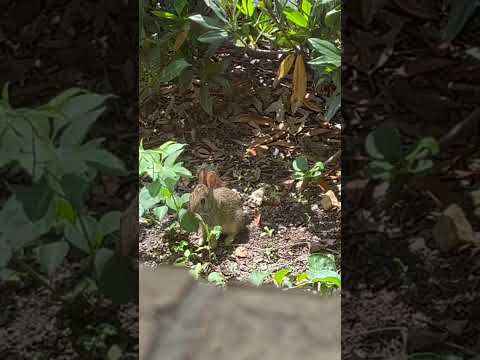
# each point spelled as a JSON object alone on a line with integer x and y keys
{"x": 325, "y": 47}
{"x": 280, "y": 276}
{"x": 179, "y": 6}
{"x": 188, "y": 221}
{"x": 65, "y": 211}
{"x": 115, "y": 268}
{"x": 80, "y": 236}
{"x": 79, "y": 126}
{"x": 109, "y": 223}
{"x": 384, "y": 143}
{"x": 216, "y": 278}
{"x": 257, "y": 278}
{"x": 16, "y": 228}
{"x": 296, "y": 17}
{"x": 300, "y": 164}
{"x": 247, "y": 7}
{"x": 333, "y": 105}
{"x": 213, "y": 36}
{"x": 160, "y": 212}
{"x": 302, "y": 278}
{"x": 164, "y": 15}
{"x": 217, "y": 8}
{"x": 306, "y": 7}
{"x": 101, "y": 258}
{"x": 115, "y": 353}
{"x": 332, "y": 18}
{"x": 320, "y": 262}
{"x": 173, "y": 70}
{"x": 35, "y": 199}
{"x": 145, "y": 202}
{"x": 75, "y": 189}
{"x": 52, "y": 255}
{"x": 207, "y": 22}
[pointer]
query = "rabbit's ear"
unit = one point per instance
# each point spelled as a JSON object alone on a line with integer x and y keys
{"x": 202, "y": 176}
{"x": 212, "y": 180}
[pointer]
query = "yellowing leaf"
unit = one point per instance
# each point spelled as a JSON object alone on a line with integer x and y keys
{"x": 181, "y": 37}
{"x": 284, "y": 68}
{"x": 299, "y": 83}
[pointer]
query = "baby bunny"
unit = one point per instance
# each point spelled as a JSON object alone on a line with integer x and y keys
{"x": 217, "y": 205}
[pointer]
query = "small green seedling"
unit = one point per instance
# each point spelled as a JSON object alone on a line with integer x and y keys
{"x": 395, "y": 163}
{"x": 267, "y": 231}
{"x": 303, "y": 173}
{"x": 321, "y": 275}
{"x": 209, "y": 235}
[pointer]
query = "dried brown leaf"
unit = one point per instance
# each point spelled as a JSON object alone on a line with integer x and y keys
{"x": 284, "y": 68}
{"x": 299, "y": 83}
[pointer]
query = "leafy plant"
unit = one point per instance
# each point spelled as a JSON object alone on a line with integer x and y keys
{"x": 267, "y": 231}
{"x": 394, "y": 162}
{"x": 158, "y": 196}
{"x": 46, "y": 216}
{"x": 321, "y": 274}
{"x": 216, "y": 278}
{"x": 327, "y": 68}
{"x": 303, "y": 173}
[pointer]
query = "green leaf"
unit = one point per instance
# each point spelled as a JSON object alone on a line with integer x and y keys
{"x": 179, "y": 6}
{"x": 75, "y": 189}
{"x": 188, "y": 221}
{"x": 300, "y": 164}
{"x": 384, "y": 143}
{"x": 16, "y": 228}
{"x": 74, "y": 233}
{"x": 213, "y": 36}
{"x": 145, "y": 202}
{"x": 257, "y": 278}
{"x": 160, "y": 212}
{"x": 115, "y": 268}
{"x": 247, "y": 7}
{"x": 326, "y": 48}
{"x": 65, "y": 211}
{"x": 173, "y": 70}
{"x": 333, "y": 105}
{"x": 280, "y": 276}
{"x": 207, "y": 22}
{"x": 216, "y": 278}
{"x": 296, "y": 17}
{"x": 320, "y": 262}
{"x": 101, "y": 258}
{"x": 217, "y": 8}
{"x": 115, "y": 352}
{"x": 306, "y": 7}
{"x": 164, "y": 15}
{"x": 302, "y": 278}
{"x": 109, "y": 223}
{"x": 35, "y": 199}
{"x": 52, "y": 255}
{"x": 332, "y": 18}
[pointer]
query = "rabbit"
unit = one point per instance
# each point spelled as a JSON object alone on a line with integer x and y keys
{"x": 217, "y": 205}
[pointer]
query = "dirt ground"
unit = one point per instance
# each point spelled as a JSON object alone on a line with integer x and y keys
{"x": 251, "y": 148}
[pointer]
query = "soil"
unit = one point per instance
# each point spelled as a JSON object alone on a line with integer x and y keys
{"x": 401, "y": 295}
{"x": 250, "y": 149}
